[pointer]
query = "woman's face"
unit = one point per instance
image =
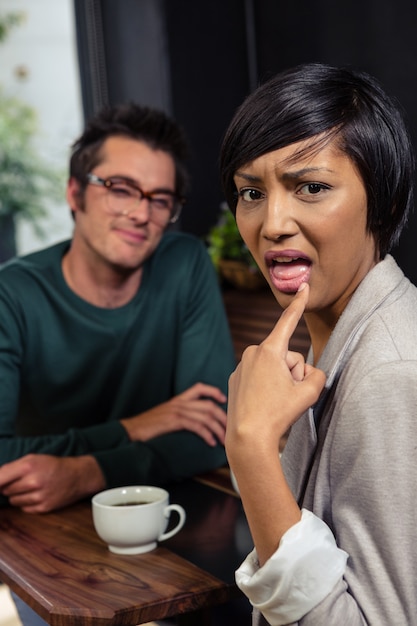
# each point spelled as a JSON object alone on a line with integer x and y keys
{"x": 303, "y": 217}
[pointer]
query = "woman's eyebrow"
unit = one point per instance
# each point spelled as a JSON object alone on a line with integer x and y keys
{"x": 305, "y": 171}
{"x": 248, "y": 177}
{"x": 287, "y": 176}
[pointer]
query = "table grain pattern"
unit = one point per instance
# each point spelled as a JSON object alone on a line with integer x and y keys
{"x": 62, "y": 569}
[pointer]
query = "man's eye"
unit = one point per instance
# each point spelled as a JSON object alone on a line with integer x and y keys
{"x": 249, "y": 195}
{"x": 312, "y": 189}
{"x": 162, "y": 202}
{"x": 122, "y": 191}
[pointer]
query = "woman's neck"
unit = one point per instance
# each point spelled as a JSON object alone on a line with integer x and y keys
{"x": 320, "y": 327}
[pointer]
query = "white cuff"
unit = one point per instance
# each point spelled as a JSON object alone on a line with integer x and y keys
{"x": 298, "y": 576}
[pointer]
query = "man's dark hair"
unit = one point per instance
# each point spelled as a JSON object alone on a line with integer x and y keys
{"x": 151, "y": 126}
{"x": 316, "y": 100}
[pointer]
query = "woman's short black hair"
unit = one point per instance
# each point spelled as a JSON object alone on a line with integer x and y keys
{"x": 314, "y": 100}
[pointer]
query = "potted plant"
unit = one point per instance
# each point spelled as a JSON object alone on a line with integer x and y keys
{"x": 230, "y": 255}
{"x": 26, "y": 182}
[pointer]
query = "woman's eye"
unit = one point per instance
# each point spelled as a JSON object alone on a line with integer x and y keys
{"x": 311, "y": 189}
{"x": 249, "y": 195}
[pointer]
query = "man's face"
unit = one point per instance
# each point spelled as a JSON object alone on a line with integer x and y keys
{"x": 122, "y": 242}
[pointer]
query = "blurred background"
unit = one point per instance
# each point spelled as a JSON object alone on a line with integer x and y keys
{"x": 196, "y": 60}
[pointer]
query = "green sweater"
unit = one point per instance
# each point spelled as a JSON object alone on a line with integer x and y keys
{"x": 70, "y": 370}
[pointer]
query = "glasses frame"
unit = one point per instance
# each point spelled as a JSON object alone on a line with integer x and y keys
{"x": 107, "y": 183}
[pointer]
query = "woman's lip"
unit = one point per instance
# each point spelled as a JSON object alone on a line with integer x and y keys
{"x": 288, "y": 269}
{"x": 282, "y": 255}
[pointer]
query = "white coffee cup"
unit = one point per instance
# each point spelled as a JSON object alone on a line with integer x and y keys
{"x": 131, "y": 520}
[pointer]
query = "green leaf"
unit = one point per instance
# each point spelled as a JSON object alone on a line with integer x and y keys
{"x": 26, "y": 181}
{"x": 7, "y": 22}
{"x": 224, "y": 240}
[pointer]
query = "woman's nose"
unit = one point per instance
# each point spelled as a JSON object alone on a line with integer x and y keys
{"x": 279, "y": 220}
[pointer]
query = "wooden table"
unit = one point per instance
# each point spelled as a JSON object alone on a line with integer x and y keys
{"x": 61, "y": 568}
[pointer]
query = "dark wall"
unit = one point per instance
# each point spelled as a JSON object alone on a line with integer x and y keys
{"x": 207, "y": 43}
{"x": 198, "y": 59}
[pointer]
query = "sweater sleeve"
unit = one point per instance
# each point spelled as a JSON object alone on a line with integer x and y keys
{"x": 162, "y": 460}
{"x": 205, "y": 350}
{"x": 75, "y": 442}
{"x": 305, "y": 569}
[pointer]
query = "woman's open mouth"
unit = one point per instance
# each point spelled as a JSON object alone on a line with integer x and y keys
{"x": 288, "y": 269}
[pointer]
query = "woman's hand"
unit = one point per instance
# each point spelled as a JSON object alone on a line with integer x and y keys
{"x": 268, "y": 392}
{"x": 272, "y": 386}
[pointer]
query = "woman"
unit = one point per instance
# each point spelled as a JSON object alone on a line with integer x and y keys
{"x": 318, "y": 167}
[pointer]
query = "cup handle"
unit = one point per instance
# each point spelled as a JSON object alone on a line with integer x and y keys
{"x": 181, "y": 522}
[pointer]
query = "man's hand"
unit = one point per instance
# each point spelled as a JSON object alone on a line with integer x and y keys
{"x": 39, "y": 483}
{"x": 196, "y": 410}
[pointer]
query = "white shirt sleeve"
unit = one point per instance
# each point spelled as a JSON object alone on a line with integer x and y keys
{"x": 298, "y": 576}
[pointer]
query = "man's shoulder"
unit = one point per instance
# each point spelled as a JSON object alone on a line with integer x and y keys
{"x": 41, "y": 258}
{"x": 179, "y": 259}
{"x": 40, "y": 265}
{"x": 181, "y": 241}
{"x": 181, "y": 247}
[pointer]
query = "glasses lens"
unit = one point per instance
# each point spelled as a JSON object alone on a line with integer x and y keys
{"x": 123, "y": 198}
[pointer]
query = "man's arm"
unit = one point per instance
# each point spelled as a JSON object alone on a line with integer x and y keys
{"x": 196, "y": 409}
{"x": 38, "y": 483}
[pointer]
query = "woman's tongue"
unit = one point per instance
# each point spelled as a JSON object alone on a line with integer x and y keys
{"x": 288, "y": 276}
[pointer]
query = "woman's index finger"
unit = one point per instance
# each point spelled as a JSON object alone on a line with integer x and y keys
{"x": 286, "y": 325}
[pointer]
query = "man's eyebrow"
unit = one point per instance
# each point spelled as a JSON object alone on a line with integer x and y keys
{"x": 133, "y": 183}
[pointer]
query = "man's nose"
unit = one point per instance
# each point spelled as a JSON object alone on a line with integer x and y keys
{"x": 140, "y": 210}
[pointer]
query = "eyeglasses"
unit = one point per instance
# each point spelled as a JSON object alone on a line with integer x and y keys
{"x": 123, "y": 197}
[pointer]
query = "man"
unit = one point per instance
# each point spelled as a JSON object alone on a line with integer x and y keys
{"x": 114, "y": 347}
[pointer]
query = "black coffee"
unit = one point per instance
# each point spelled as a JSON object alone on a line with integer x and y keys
{"x": 132, "y": 503}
